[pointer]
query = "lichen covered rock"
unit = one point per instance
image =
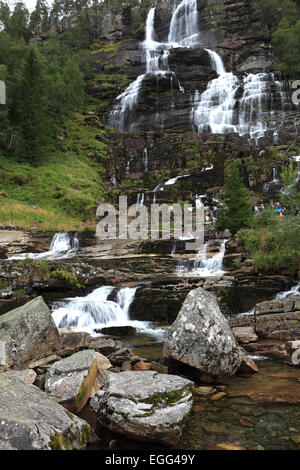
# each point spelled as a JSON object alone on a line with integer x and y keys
{"x": 201, "y": 337}
{"x": 75, "y": 379}
{"x": 27, "y": 333}
{"x": 30, "y": 420}
{"x": 145, "y": 405}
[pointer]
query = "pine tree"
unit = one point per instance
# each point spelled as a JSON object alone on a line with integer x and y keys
{"x": 33, "y": 108}
{"x": 237, "y": 211}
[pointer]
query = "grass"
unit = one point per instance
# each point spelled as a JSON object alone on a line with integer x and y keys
{"x": 62, "y": 192}
{"x": 273, "y": 243}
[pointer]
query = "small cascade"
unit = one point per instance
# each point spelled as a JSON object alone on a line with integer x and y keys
{"x": 62, "y": 246}
{"x": 295, "y": 290}
{"x": 140, "y": 199}
{"x": 205, "y": 264}
{"x": 274, "y": 182}
{"x": 145, "y": 160}
{"x": 172, "y": 181}
{"x": 214, "y": 110}
{"x": 127, "y": 170}
{"x": 95, "y": 311}
{"x": 297, "y": 160}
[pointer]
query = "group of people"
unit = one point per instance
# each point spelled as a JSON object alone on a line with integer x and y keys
{"x": 281, "y": 211}
{"x": 257, "y": 208}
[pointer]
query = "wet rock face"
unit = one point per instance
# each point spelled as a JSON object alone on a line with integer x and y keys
{"x": 27, "y": 333}
{"x": 201, "y": 337}
{"x": 155, "y": 409}
{"x": 30, "y": 420}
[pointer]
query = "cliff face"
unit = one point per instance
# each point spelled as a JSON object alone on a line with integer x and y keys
{"x": 160, "y": 121}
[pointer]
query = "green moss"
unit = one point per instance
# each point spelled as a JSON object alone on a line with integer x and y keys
{"x": 171, "y": 397}
{"x": 59, "y": 442}
{"x": 85, "y": 434}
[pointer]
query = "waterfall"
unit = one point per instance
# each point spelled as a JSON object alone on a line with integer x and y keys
{"x": 140, "y": 199}
{"x": 297, "y": 160}
{"x": 213, "y": 111}
{"x": 62, "y": 246}
{"x": 145, "y": 160}
{"x": 95, "y": 311}
{"x": 274, "y": 182}
{"x": 244, "y": 106}
{"x": 156, "y": 63}
{"x": 295, "y": 290}
{"x": 184, "y": 29}
{"x": 204, "y": 265}
{"x": 218, "y": 110}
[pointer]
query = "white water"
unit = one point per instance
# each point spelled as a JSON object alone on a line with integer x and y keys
{"x": 218, "y": 109}
{"x": 61, "y": 247}
{"x": 295, "y": 290}
{"x": 140, "y": 199}
{"x": 274, "y": 182}
{"x": 297, "y": 160}
{"x": 184, "y": 25}
{"x": 94, "y": 311}
{"x": 204, "y": 265}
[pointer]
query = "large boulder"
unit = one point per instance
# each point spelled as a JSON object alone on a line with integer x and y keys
{"x": 145, "y": 406}
{"x": 201, "y": 337}
{"x": 30, "y": 420}
{"x": 75, "y": 379}
{"x": 27, "y": 333}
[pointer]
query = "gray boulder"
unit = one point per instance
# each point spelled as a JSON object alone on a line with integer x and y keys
{"x": 30, "y": 420}
{"x": 27, "y": 333}
{"x": 72, "y": 381}
{"x": 145, "y": 406}
{"x": 201, "y": 337}
{"x": 274, "y": 306}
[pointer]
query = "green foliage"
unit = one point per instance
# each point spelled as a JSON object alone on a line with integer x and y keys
{"x": 63, "y": 274}
{"x": 273, "y": 242}
{"x": 281, "y": 21}
{"x": 289, "y": 193}
{"x": 237, "y": 211}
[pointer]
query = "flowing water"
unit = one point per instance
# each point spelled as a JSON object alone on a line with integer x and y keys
{"x": 62, "y": 246}
{"x": 274, "y": 182}
{"x": 230, "y": 104}
{"x": 94, "y": 311}
{"x": 205, "y": 264}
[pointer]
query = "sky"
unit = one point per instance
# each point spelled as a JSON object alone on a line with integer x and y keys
{"x": 29, "y": 3}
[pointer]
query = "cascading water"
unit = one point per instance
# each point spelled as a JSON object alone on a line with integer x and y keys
{"x": 295, "y": 290}
{"x": 94, "y": 311}
{"x": 297, "y": 160}
{"x": 156, "y": 63}
{"x": 183, "y": 32}
{"x": 218, "y": 109}
{"x": 62, "y": 246}
{"x": 204, "y": 265}
{"x": 184, "y": 29}
{"x": 274, "y": 182}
